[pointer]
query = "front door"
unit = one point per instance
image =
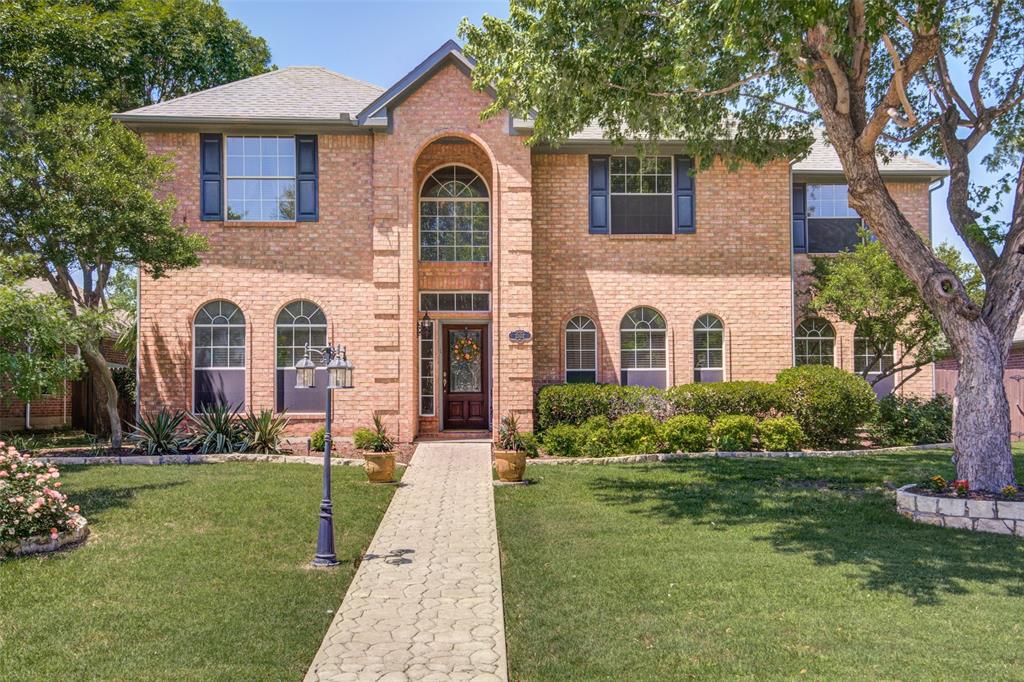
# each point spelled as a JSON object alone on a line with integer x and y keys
{"x": 464, "y": 381}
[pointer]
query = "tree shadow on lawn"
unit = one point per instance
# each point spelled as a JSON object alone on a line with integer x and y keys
{"x": 93, "y": 502}
{"x": 836, "y": 511}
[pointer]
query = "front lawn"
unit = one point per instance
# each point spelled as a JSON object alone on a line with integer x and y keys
{"x": 194, "y": 572}
{"x": 753, "y": 569}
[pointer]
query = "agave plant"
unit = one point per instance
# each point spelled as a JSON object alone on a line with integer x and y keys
{"x": 159, "y": 434}
{"x": 216, "y": 430}
{"x": 263, "y": 433}
{"x": 381, "y": 441}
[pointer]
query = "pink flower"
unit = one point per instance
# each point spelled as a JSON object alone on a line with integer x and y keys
{"x": 53, "y": 533}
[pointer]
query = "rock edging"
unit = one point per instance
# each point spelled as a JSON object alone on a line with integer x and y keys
{"x": 155, "y": 460}
{"x": 42, "y": 544}
{"x": 669, "y": 457}
{"x": 1005, "y": 517}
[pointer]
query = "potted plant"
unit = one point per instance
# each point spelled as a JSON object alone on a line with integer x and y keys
{"x": 377, "y": 446}
{"x": 510, "y": 455}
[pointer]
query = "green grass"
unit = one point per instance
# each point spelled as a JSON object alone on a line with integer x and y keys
{"x": 193, "y": 572}
{"x": 51, "y": 438}
{"x": 757, "y": 569}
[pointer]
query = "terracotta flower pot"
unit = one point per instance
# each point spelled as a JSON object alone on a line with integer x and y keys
{"x": 380, "y": 466}
{"x": 510, "y": 465}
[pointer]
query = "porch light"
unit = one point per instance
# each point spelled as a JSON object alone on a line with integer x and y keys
{"x": 305, "y": 373}
{"x": 340, "y": 371}
{"x": 424, "y": 329}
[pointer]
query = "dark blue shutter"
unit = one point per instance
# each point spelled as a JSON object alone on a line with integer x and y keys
{"x": 799, "y": 217}
{"x": 211, "y": 181}
{"x": 685, "y": 191}
{"x": 306, "y": 204}
{"x": 599, "y": 194}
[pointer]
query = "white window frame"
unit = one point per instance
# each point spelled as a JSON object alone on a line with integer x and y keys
{"x": 428, "y": 353}
{"x": 195, "y": 338}
{"x": 454, "y": 293}
{"x": 579, "y": 331}
{"x": 650, "y": 348}
{"x": 293, "y": 177}
{"x": 278, "y": 324}
{"x": 819, "y": 339}
{"x": 706, "y": 331}
{"x": 671, "y": 194}
{"x": 867, "y": 355}
{"x": 419, "y": 215}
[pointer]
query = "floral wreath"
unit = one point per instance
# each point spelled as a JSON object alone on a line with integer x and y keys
{"x": 466, "y": 349}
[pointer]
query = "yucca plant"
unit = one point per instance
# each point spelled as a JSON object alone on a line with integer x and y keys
{"x": 216, "y": 430}
{"x": 263, "y": 433}
{"x": 381, "y": 441}
{"x": 159, "y": 434}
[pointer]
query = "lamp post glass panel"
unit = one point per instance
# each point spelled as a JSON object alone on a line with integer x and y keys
{"x": 339, "y": 375}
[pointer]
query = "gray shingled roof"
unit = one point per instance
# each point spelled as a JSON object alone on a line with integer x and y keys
{"x": 824, "y": 160}
{"x": 299, "y": 93}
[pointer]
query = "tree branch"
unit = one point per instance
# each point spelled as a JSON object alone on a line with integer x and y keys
{"x": 819, "y": 41}
{"x": 952, "y": 94}
{"x": 697, "y": 92}
{"x": 979, "y": 66}
{"x": 901, "y": 88}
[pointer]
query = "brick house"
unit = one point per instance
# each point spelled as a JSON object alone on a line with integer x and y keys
{"x": 463, "y": 269}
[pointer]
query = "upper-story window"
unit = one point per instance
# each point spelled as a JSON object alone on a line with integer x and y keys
{"x": 641, "y": 195}
{"x": 823, "y": 221}
{"x": 455, "y": 216}
{"x": 261, "y": 178}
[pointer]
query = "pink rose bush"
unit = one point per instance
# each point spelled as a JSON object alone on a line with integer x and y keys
{"x": 30, "y": 502}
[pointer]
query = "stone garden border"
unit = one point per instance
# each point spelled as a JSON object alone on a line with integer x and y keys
{"x": 43, "y": 544}
{"x": 154, "y": 460}
{"x": 669, "y": 457}
{"x": 988, "y": 516}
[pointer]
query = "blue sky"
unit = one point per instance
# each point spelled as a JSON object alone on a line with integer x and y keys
{"x": 381, "y": 41}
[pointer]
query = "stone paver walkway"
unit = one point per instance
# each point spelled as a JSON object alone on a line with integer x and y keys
{"x": 425, "y": 603}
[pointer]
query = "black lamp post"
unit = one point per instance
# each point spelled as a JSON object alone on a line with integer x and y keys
{"x": 339, "y": 375}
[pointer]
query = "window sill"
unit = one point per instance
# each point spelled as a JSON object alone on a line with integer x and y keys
{"x": 261, "y": 223}
{"x": 641, "y": 237}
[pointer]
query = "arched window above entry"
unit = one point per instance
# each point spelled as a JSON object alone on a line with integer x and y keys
{"x": 455, "y": 224}
{"x": 643, "y": 348}
{"x": 218, "y": 356}
{"x": 580, "y": 350}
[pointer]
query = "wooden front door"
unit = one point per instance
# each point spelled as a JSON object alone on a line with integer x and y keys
{"x": 464, "y": 380}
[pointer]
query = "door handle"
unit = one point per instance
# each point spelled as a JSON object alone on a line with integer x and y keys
{"x": 444, "y": 380}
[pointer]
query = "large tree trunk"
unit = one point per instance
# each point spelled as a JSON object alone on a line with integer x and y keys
{"x": 981, "y": 418}
{"x": 104, "y": 391}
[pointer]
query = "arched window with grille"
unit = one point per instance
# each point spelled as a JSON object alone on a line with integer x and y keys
{"x": 300, "y": 323}
{"x": 455, "y": 216}
{"x": 218, "y": 356}
{"x": 580, "y": 351}
{"x": 871, "y": 361}
{"x": 643, "y": 340}
{"x": 814, "y": 342}
{"x": 708, "y": 349}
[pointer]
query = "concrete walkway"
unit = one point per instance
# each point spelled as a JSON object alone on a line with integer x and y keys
{"x": 425, "y": 603}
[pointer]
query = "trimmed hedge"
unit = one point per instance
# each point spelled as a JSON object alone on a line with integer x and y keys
{"x": 751, "y": 398}
{"x": 734, "y": 432}
{"x": 637, "y": 434}
{"x": 686, "y": 433}
{"x": 780, "y": 434}
{"x": 575, "y": 403}
{"x": 830, "y": 404}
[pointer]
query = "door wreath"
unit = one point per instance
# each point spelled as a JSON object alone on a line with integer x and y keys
{"x": 466, "y": 349}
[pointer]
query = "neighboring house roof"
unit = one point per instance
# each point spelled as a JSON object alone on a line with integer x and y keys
{"x": 292, "y": 94}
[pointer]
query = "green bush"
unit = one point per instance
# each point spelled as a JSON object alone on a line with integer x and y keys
{"x": 734, "y": 432}
{"x": 263, "y": 433}
{"x": 636, "y": 434}
{"x": 575, "y": 403}
{"x": 912, "y": 421}
{"x": 159, "y": 434}
{"x": 780, "y": 434}
{"x": 595, "y": 437}
{"x": 562, "y": 440}
{"x": 752, "y": 398}
{"x": 529, "y": 444}
{"x": 687, "y": 433}
{"x": 217, "y": 430}
{"x": 362, "y": 438}
{"x": 316, "y": 440}
{"x": 830, "y": 404}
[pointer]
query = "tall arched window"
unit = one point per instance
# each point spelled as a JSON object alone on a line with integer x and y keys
{"x": 298, "y": 324}
{"x": 871, "y": 361}
{"x": 455, "y": 216}
{"x": 580, "y": 351}
{"x": 814, "y": 342}
{"x": 218, "y": 356}
{"x": 643, "y": 341}
{"x": 708, "y": 349}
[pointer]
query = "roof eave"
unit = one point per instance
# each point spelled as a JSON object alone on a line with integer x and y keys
{"x": 140, "y": 122}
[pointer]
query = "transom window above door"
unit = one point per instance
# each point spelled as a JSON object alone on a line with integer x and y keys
{"x": 455, "y": 220}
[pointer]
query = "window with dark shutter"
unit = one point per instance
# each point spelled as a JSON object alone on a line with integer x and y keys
{"x": 598, "y": 187}
{"x": 641, "y": 194}
{"x": 307, "y": 207}
{"x": 211, "y": 197}
{"x": 832, "y": 226}
{"x": 799, "y": 217}
{"x": 685, "y": 190}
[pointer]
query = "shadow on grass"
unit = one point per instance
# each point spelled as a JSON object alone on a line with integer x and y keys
{"x": 95, "y": 501}
{"x": 836, "y": 512}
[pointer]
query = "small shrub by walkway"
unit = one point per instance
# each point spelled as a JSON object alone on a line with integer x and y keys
{"x": 193, "y": 572}
{"x": 751, "y": 569}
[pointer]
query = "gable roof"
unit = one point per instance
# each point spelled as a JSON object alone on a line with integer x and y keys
{"x": 298, "y": 94}
{"x": 823, "y": 160}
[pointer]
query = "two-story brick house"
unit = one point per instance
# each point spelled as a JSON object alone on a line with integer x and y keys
{"x": 463, "y": 269}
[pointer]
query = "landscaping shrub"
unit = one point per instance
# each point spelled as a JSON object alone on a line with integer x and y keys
{"x": 562, "y": 440}
{"x": 752, "y": 398}
{"x": 912, "y": 421}
{"x": 316, "y": 440}
{"x": 780, "y": 434}
{"x": 30, "y": 502}
{"x": 595, "y": 437}
{"x": 362, "y": 438}
{"x": 575, "y": 403}
{"x": 216, "y": 430}
{"x": 529, "y": 444}
{"x": 733, "y": 432}
{"x": 687, "y": 433}
{"x": 263, "y": 433}
{"x": 830, "y": 404}
{"x": 159, "y": 434}
{"x": 637, "y": 434}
